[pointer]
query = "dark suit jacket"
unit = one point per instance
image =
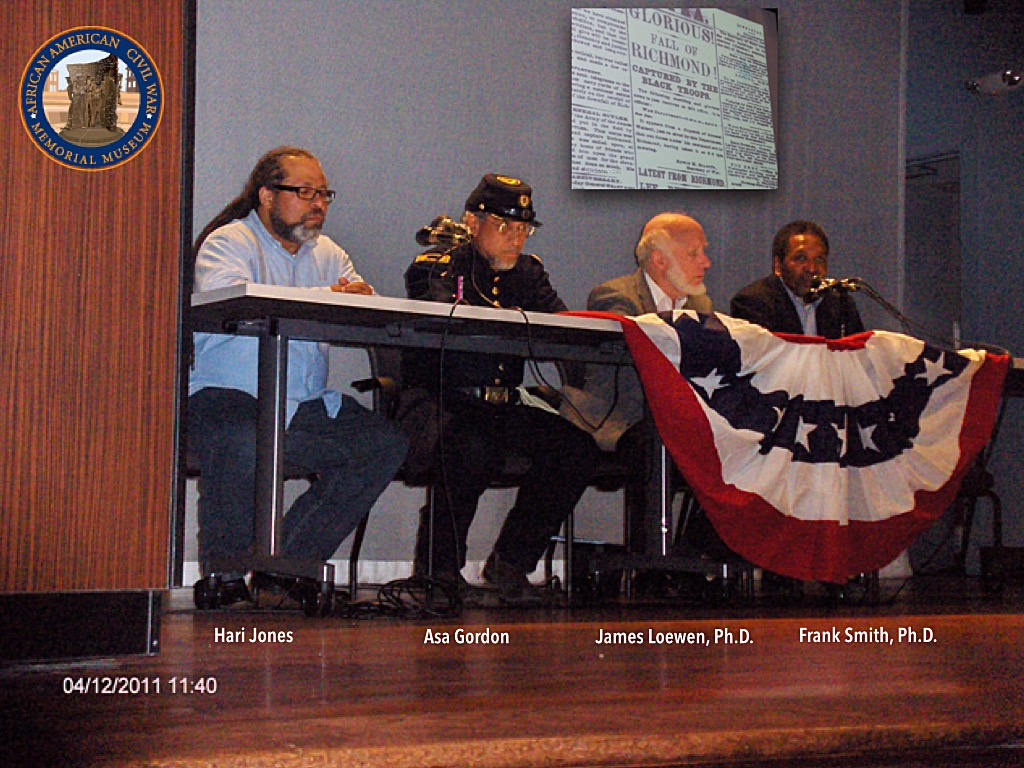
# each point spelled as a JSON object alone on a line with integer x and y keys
{"x": 767, "y": 303}
{"x": 627, "y": 295}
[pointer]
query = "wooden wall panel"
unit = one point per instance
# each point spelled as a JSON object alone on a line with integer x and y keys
{"x": 88, "y": 338}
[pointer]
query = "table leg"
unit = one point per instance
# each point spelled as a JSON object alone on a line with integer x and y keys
{"x": 272, "y": 390}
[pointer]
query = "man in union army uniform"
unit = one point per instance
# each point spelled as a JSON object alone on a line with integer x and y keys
{"x": 484, "y": 416}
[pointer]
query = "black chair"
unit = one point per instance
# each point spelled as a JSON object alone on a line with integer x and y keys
{"x": 978, "y": 483}
{"x": 687, "y": 550}
{"x": 617, "y": 471}
{"x": 385, "y": 386}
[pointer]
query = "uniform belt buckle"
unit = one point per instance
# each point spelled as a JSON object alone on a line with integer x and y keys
{"x": 496, "y": 395}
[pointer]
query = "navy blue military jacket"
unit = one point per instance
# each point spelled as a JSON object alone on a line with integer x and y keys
{"x": 435, "y": 276}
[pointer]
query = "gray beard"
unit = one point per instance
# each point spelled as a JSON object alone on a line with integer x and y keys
{"x": 500, "y": 266}
{"x": 302, "y": 234}
{"x": 675, "y": 276}
{"x": 294, "y": 233}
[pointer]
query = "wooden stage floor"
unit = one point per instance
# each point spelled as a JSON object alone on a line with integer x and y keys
{"x": 934, "y": 677}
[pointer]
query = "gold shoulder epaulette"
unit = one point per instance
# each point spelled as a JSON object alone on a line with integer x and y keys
{"x": 434, "y": 258}
{"x": 536, "y": 258}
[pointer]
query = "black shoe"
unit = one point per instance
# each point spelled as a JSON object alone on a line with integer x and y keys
{"x": 211, "y": 592}
{"x": 511, "y": 582}
{"x": 279, "y": 592}
{"x": 473, "y": 597}
{"x": 234, "y": 591}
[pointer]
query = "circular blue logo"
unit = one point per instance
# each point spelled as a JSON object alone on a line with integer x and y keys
{"x": 91, "y": 98}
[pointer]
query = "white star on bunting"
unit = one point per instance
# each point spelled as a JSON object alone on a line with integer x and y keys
{"x": 710, "y": 383}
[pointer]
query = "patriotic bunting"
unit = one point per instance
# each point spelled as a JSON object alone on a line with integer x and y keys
{"x": 814, "y": 459}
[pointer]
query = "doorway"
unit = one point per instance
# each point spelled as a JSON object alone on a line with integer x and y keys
{"x": 932, "y": 277}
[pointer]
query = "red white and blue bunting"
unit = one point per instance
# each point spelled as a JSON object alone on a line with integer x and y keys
{"x": 814, "y": 459}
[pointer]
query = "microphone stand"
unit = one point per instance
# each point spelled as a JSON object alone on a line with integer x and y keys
{"x": 857, "y": 284}
{"x": 978, "y": 473}
{"x": 909, "y": 326}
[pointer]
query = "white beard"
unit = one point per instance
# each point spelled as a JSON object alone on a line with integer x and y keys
{"x": 302, "y": 234}
{"x": 674, "y": 275}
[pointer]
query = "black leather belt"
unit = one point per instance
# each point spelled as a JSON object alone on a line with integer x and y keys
{"x": 492, "y": 395}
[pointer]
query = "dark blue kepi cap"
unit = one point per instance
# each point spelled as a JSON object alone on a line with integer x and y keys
{"x": 503, "y": 196}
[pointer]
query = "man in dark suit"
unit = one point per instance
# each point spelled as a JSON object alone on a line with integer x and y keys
{"x": 783, "y": 301}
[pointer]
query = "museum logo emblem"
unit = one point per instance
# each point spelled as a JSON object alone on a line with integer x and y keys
{"x": 91, "y": 98}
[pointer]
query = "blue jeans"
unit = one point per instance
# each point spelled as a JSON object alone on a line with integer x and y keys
{"x": 355, "y": 455}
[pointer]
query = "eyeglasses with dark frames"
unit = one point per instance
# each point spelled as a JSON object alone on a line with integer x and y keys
{"x": 308, "y": 193}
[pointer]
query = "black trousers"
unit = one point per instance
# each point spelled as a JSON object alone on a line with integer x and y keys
{"x": 477, "y": 440}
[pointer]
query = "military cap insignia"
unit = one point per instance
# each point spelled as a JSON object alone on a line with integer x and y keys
{"x": 509, "y": 180}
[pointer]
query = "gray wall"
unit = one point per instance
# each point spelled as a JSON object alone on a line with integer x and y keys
{"x": 947, "y": 48}
{"x": 409, "y": 102}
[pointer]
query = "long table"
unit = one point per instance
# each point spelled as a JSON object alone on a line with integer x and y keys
{"x": 278, "y": 314}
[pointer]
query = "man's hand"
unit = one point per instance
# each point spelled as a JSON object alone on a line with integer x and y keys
{"x": 344, "y": 285}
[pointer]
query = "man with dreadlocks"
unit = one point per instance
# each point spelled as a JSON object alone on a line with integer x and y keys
{"x": 271, "y": 234}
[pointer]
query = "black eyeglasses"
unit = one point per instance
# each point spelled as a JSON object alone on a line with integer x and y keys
{"x": 309, "y": 193}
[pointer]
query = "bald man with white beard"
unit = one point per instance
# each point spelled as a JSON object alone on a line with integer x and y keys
{"x": 672, "y": 259}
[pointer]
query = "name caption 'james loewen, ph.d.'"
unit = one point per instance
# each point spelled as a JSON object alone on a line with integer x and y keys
{"x": 719, "y": 636}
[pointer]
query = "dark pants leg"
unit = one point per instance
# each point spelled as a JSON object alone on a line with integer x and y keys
{"x": 471, "y": 455}
{"x": 476, "y": 443}
{"x": 222, "y": 435}
{"x": 562, "y": 462}
{"x": 355, "y": 455}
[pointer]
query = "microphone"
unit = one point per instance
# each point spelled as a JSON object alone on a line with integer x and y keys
{"x": 822, "y": 285}
{"x": 445, "y": 232}
{"x": 819, "y": 286}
